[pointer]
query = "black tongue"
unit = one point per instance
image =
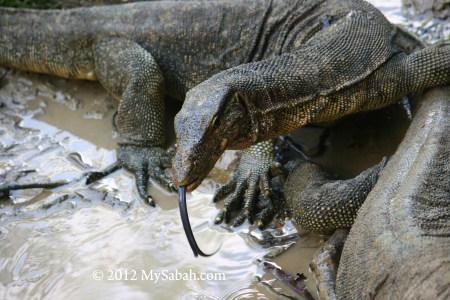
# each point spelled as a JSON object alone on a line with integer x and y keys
{"x": 187, "y": 226}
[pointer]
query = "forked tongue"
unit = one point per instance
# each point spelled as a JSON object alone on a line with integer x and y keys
{"x": 187, "y": 226}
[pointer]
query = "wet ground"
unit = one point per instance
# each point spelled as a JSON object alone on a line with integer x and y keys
{"x": 100, "y": 241}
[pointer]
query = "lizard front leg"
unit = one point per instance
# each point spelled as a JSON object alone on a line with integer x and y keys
{"x": 131, "y": 74}
{"x": 250, "y": 180}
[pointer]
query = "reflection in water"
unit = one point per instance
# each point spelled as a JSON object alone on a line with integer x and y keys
{"x": 92, "y": 242}
{"x": 54, "y": 252}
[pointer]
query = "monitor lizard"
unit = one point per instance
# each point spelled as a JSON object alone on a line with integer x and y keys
{"x": 358, "y": 61}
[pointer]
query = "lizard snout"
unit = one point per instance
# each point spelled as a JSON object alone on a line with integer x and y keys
{"x": 186, "y": 172}
{"x": 191, "y": 167}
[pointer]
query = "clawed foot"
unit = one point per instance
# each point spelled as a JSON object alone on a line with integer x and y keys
{"x": 249, "y": 192}
{"x": 144, "y": 162}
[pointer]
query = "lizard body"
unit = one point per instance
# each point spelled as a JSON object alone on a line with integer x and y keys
{"x": 355, "y": 63}
{"x": 323, "y": 81}
{"x": 141, "y": 51}
{"x": 287, "y": 64}
{"x": 111, "y": 48}
{"x": 402, "y": 231}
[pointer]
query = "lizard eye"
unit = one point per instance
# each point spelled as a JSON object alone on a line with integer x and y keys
{"x": 215, "y": 122}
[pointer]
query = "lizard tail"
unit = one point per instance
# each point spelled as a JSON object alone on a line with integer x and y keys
{"x": 42, "y": 41}
{"x": 429, "y": 67}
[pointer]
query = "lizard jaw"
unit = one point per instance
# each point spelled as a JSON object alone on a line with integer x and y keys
{"x": 192, "y": 173}
{"x": 191, "y": 169}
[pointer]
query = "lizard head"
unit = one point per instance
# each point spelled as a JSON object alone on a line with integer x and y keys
{"x": 214, "y": 118}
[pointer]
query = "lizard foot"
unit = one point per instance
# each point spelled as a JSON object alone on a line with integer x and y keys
{"x": 249, "y": 189}
{"x": 269, "y": 207}
{"x": 143, "y": 162}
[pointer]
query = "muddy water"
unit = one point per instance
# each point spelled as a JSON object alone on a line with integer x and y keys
{"x": 100, "y": 241}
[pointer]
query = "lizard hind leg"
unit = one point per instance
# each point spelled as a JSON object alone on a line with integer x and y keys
{"x": 130, "y": 73}
{"x": 323, "y": 204}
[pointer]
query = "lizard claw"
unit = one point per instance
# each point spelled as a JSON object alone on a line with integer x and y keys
{"x": 172, "y": 187}
{"x": 141, "y": 184}
{"x": 220, "y": 217}
{"x": 271, "y": 205}
{"x": 249, "y": 190}
{"x": 144, "y": 162}
{"x": 94, "y": 176}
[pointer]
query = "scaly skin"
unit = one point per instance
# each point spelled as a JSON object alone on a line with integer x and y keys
{"x": 402, "y": 231}
{"x": 141, "y": 51}
{"x": 322, "y": 204}
{"x": 398, "y": 247}
{"x": 251, "y": 175}
{"x": 359, "y": 63}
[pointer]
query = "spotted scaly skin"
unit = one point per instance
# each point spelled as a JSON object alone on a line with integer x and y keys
{"x": 322, "y": 204}
{"x": 337, "y": 58}
{"x": 141, "y": 52}
{"x": 288, "y": 63}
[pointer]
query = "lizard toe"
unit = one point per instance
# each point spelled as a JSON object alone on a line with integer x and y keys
{"x": 94, "y": 176}
{"x": 145, "y": 162}
{"x": 267, "y": 211}
{"x": 158, "y": 174}
{"x": 249, "y": 204}
{"x": 250, "y": 189}
{"x": 220, "y": 217}
{"x": 224, "y": 190}
{"x": 142, "y": 177}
